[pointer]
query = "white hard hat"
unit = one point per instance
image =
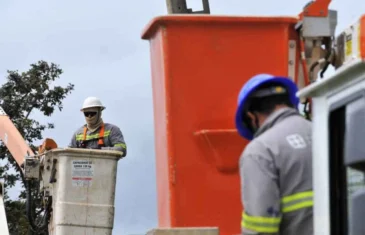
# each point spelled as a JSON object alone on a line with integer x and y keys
{"x": 91, "y": 102}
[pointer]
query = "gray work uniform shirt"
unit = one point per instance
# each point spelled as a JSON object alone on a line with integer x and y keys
{"x": 276, "y": 177}
{"x": 113, "y": 139}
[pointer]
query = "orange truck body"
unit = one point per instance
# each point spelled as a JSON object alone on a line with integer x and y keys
{"x": 199, "y": 63}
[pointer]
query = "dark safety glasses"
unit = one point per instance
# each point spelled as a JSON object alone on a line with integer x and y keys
{"x": 89, "y": 114}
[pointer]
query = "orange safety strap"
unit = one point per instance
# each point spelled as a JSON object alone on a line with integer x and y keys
{"x": 85, "y": 130}
{"x": 101, "y": 134}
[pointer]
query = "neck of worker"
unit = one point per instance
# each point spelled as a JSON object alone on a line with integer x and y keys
{"x": 279, "y": 113}
{"x": 262, "y": 118}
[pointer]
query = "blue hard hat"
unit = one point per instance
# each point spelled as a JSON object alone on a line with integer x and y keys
{"x": 251, "y": 86}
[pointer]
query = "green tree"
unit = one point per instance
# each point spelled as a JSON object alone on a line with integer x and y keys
{"x": 21, "y": 95}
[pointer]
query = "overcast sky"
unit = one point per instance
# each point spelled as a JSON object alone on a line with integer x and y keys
{"x": 98, "y": 45}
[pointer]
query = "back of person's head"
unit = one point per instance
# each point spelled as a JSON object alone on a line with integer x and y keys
{"x": 261, "y": 95}
{"x": 265, "y": 99}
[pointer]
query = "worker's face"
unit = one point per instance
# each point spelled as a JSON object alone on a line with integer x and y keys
{"x": 92, "y": 115}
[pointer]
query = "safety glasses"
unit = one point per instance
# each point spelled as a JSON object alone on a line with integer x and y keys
{"x": 89, "y": 114}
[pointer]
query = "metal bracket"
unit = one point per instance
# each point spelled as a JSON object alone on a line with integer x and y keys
{"x": 320, "y": 26}
{"x": 291, "y": 62}
{"x": 31, "y": 168}
{"x": 180, "y": 7}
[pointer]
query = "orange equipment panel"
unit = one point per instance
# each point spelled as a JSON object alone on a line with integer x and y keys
{"x": 199, "y": 63}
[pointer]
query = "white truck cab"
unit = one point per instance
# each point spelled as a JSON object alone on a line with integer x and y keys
{"x": 338, "y": 116}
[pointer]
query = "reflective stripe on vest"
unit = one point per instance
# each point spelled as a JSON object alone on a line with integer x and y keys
{"x": 102, "y": 133}
{"x": 289, "y": 203}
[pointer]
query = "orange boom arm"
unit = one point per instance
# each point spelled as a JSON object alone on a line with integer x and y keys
{"x": 12, "y": 139}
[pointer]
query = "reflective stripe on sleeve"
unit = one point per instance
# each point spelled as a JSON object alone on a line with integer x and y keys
{"x": 289, "y": 203}
{"x": 123, "y": 145}
{"x": 297, "y": 201}
{"x": 261, "y": 224}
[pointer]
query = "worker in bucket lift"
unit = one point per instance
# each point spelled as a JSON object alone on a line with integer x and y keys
{"x": 276, "y": 166}
{"x": 96, "y": 134}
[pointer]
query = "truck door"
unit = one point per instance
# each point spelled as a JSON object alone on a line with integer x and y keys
{"x": 347, "y": 165}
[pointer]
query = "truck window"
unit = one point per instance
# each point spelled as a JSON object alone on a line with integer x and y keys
{"x": 347, "y": 165}
{"x": 337, "y": 174}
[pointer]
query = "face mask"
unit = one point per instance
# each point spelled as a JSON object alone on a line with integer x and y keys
{"x": 93, "y": 118}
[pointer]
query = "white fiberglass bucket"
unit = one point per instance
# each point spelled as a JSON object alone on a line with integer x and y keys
{"x": 83, "y": 192}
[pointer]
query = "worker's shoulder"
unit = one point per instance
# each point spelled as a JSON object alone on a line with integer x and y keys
{"x": 255, "y": 151}
{"x": 255, "y": 147}
{"x": 300, "y": 119}
{"x": 274, "y": 136}
{"x": 111, "y": 127}
{"x": 295, "y": 124}
{"x": 80, "y": 130}
{"x": 292, "y": 130}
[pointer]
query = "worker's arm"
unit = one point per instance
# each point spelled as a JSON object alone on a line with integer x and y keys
{"x": 73, "y": 143}
{"x": 260, "y": 192}
{"x": 117, "y": 141}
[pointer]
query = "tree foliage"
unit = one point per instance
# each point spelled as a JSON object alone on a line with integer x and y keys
{"x": 21, "y": 95}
